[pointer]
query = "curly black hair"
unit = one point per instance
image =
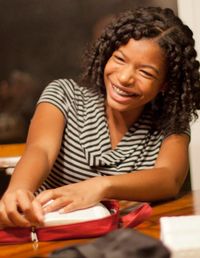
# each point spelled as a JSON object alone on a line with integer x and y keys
{"x": 176, "y": 108}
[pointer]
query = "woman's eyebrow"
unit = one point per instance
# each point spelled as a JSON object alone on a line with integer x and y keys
{"x": 119, "y": 50}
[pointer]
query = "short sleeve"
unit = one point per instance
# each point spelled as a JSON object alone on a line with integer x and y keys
{"x": 59, "y": 93}
{"x": 186, "y": 131}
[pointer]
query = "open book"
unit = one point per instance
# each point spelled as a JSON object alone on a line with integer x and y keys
{"x": 95, "y": 212}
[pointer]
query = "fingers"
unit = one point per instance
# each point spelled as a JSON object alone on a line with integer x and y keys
{"x": 10, "y": 215}
{"x": 52, "y": 200}
{"x": 46, "y": 196}
{"x": 4, "y": 220}
{"x": 70, "y": 197}
{"x": 31, "y": 210}
{"x": 57, "y": 204}
{"x": 20, "y": 209}
{"x": 72, "y": 207}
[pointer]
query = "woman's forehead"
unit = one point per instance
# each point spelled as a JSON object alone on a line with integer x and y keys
{"x": 144, "y": 47}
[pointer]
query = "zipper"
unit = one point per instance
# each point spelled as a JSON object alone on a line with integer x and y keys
{"x": 34, "y": 237}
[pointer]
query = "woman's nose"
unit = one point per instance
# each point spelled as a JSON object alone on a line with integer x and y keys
{"x": 126, "y": 76}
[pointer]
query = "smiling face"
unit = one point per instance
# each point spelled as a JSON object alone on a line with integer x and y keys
{"x": 134, "y": 75}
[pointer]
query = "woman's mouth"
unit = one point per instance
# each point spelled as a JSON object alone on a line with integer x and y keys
{"x": 123, "y": 93}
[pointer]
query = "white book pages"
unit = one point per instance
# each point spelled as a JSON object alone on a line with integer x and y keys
{"x": 181, "y": 234}
{"x": 96, "y": 212}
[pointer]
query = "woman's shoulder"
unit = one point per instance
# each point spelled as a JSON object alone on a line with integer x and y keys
{"x": 68, "y": 91}
{"x": 71, "y": 85}
{"x": 62, "y": 85}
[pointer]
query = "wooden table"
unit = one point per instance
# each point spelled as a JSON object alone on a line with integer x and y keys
{"x": 187, "y": 204}
{"x": 7, "y": 150}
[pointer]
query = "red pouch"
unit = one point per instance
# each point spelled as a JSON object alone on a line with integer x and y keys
{"x": 92, "y": 228}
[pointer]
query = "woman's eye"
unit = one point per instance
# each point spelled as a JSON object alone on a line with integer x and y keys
{"x": 147, "y": 74}
{"x": 119, "y": 58}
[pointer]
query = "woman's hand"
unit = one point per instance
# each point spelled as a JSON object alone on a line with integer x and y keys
{"x": 19, "y": 208}
{"x": 74, "y": 196}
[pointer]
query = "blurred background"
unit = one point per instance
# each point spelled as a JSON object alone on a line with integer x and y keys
{"x": 42, "y": 41}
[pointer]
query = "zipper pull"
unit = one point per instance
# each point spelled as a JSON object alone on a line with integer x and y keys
{"x": 34, "y": 237}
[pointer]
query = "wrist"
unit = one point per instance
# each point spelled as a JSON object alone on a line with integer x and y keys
{"x": 13, "y": 188}
{"x": 105, "y": 186}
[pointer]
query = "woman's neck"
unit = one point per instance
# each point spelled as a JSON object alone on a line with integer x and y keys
{"x": 119, "y": 123}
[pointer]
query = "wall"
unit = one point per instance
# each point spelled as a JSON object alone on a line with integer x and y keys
{"x": 42, "y": 41}
{"x": 189, "y": 13}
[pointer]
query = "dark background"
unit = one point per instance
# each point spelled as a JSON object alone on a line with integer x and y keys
{"x": 42, "y": 40}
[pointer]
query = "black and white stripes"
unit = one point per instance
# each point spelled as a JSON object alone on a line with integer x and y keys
{"x": 86, "y": 149}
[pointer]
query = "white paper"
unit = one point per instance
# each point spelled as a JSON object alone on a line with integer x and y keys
{"x": 181, "y": 234}
{"x": 96, "y": 212}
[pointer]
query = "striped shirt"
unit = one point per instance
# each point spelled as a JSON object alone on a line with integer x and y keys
{"x": 86, "y": 147}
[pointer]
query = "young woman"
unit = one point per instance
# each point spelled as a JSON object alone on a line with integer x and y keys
{"x": 122, "y": 133}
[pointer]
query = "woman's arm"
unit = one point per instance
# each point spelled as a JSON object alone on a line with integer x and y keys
{"x": 43, "y": 144}
{"x": 161, "y": 182}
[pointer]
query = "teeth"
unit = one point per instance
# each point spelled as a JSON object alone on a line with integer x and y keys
{"x": 121, "y": 92}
